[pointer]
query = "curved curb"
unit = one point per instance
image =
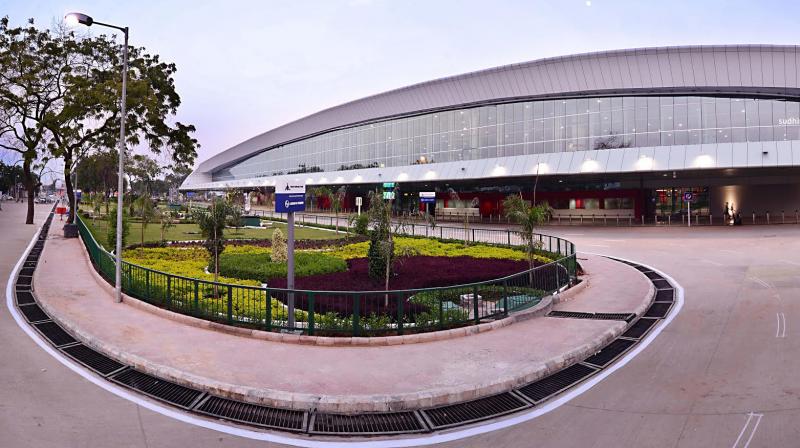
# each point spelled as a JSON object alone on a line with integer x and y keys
{"x": 305, "y": 442}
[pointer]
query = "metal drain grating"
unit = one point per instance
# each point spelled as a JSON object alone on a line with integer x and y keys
{"x": 661, "y": 284}
{"x": 25, "y": 298}
{"x": 92, "y": 359}
{"x": 599, "y": 316}
{"x": 653, "y": 276}
{"x": 24, "y": 280}
{"x": 610, "y": 352}
{"x": 54, "y": 333}
{"x": 26, "y": 271}
{"x": 253, "y": 414}
{"x": 473, "y": 411}
{"x": 658, "y": 309}
{"x": 665, "y": 295}
{"x": 639, "y": 328}
{"x": 555, "y": 383}
{"x": 366, "y": 424}
{"x": 642, "y": 268}
{"x": 33, "y": 313}
{"x": 157, "y": 388}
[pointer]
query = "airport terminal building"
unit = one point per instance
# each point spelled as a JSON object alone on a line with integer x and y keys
{"x": 621, "y": 132}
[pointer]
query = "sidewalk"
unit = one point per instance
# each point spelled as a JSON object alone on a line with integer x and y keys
{"x": 337, "y": 379}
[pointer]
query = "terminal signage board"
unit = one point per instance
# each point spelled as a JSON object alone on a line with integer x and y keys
{"x": 290, "y": 196}
{"x": 688, "y": 196}
{"x": 427, "y": 197}
{"x": 388, "y": 185}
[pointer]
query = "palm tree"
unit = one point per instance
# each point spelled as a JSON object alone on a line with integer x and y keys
{"x": 529, "y": 217}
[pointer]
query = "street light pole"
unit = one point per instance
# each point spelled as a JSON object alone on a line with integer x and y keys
{"x": 73, "y": 19}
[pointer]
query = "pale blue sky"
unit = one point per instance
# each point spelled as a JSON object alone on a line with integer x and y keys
{"x": 245, "y": 67}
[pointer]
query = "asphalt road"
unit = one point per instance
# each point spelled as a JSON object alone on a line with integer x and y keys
{"x": 721, "y": 375}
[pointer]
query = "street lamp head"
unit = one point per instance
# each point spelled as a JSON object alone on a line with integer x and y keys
{"x": 75, "y": 18}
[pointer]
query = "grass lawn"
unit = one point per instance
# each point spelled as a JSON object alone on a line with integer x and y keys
{"x": 183, "y": 232}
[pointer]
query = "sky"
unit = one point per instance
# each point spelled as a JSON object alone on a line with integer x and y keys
{"x": 245, "y": 67}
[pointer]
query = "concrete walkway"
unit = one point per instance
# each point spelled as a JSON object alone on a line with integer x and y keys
{"x": 343, "y": 379}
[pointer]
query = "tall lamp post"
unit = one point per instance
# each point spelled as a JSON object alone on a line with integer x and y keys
{"x": 73, "y": 19}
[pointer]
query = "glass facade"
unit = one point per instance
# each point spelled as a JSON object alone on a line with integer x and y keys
{"x": 529, "y": 127}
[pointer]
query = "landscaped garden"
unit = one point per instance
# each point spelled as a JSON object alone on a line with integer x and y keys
{"x": 377, "y": 283}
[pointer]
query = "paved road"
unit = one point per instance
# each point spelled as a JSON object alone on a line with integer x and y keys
{"x": 722, "y": 374}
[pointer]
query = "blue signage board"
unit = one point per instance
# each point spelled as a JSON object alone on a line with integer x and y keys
{"x": 190, "y": 194}
{"x": 290, "y": 202}
{"x": 688, "y": 196}
{"x": 427, "y": 200}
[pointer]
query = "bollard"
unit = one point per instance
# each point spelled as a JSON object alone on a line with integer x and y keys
{"x": 669, "y": 220}
{"x": 767, "y": 216}
{"x": 642, "y": 219}
{"x": 710, "y": 219}
{"x": 754, "y": 217}
{"x": 783, "y": 216}
{"x": 683, "y": 219}
{"x": 697, "y": 219}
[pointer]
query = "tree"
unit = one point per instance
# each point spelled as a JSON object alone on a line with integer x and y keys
{"x": 111, "y": 233}
{"x": 146, "y": 212}
{"x": 33, "y": 64}
{"x": 381, "y": 241}
{"x": 165, "y": 216}
{"x": 89, "y": 115}
{"x": 143, "y": 171}
{"x": 9, "y": 176}
{"x": 453, "y": 194}
{"x": 97, "y": 172}
{"x": 280, "y": 251}
{"x": 212, "y": 222}
{"x": 529, "y": 217}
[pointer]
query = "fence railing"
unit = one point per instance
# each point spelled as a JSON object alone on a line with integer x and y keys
{"x": 345, "y": 313}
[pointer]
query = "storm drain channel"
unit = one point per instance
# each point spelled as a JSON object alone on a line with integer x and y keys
{"x": 332, "y": 424}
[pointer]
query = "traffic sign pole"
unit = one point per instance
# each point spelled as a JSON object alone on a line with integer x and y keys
{"x": 290, "y": 267}
{"x": 290, "y": 197}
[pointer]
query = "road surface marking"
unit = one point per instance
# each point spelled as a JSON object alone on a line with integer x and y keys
{"x": 791, "y": 262}
{"x": 292, "y": 441}
{"x": 781, "y": 330}
{"x": 730, "y": 251}
{"x": 761, "y": 282}
{"x": 751, "y": 417}
{"x": 596, "y": 245}
{"x": 705, "y": 260}
{"x": 614, "y": 241}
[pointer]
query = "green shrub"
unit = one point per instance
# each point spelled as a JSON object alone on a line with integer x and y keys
{"x": 435, "y": 248}
{"x": 360, "y": 224}
{"x": 259, "y": 265}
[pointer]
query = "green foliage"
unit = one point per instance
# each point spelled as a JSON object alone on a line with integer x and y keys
{"x": 359, "y": 223}
{"x": 529, "y": 217}
{"x": 279, "y": 247}
{"x": 111, "y": 235}
{"x": 261, "y": 267}
{"x": 212, "y": 222}
{"x": 381, "y": 244}
{"x": 145, "y": 211}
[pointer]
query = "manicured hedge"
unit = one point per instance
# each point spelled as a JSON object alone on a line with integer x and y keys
{"x": 260, "y": 267}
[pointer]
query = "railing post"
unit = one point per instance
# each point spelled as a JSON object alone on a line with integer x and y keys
{"x": 475, "y": 307}
{"x": 169, "y": 290}
{"x": 268, "y": 317}
{"x": 441, "y": 313}
{"x": 356, "y": 318}
{"x": 310, "y": 313}
{"x": 230, "y": 304}
{"x": 558, "y": 277}
{"x": 147, "y": 284}
{"x": 196, "y": 297}
{"x": 508, "y": 232}
{"x": 505, "y": 297}
{"x": 400, "y": 313}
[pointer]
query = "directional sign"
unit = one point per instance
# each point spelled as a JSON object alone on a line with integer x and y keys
{"x": 427, "y": 197}
{"x": 290, "y": 196}
{"x": 688, "y": 196}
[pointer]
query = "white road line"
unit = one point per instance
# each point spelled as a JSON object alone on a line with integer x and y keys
{"x": 780, "y": 332}
{"x": 596, "y": 245}
{"x": 705, "y": 260}
{"x": 791, "y": 262}
{"x": 306, "y": 443}
{"x": 751, "y": 417}
{"x": 730, "y": 251}
{"x": 761, "y": 282}
{"x": 614, "y": 241}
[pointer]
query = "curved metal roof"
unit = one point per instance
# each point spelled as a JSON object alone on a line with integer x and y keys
{"x": 763, "y": 70}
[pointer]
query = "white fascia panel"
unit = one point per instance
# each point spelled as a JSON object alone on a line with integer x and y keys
{"x": 614, "y": 161}
{"x": 784, "y": 153}
{"x": 754, "y": 156}
{"x": 661, "y": 158}
{"x": 630, "y": 156}
{"x": 564, "y": 161}
{"x": 769, "y": 154}
{"x": 646, "y": 160}
{"x": 576, "y": 162}
{"x": 677, "y": 157}
{"x": 724, "y": 155}
{"x": 602, "y": 161}
{"x": 739, "y": 158}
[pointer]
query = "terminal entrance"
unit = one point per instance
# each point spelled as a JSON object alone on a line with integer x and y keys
{"x": 670, "y": 206}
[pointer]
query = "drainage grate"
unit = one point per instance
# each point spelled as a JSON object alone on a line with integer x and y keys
{"x": 25, "y": 298}
{"x": 638, "y": 329}
{"x": 658, "y": 309}
{"x": 55, "y": 333}
{"x": 610, "y": 352}
{"x": 26, "y": 271}
{"x": 24, "y": 280}
{"x": 33, "y": 313}
{"x": 627, "y": 317}
{"x": 473, "y": 411}
{"x": 366, "y": 424}
{"x": 30, "y": 264}
{"x": 92, "y": 359}
{"x": 661, "y": 284}
{"x": 642, "y": 268}
{"x": 157, "y": 388}
{"x": 555, "y": 383}
{"x": 665, "y": 295}
{"x": 253, "y": 414}
{"x": 653, "y": 276}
